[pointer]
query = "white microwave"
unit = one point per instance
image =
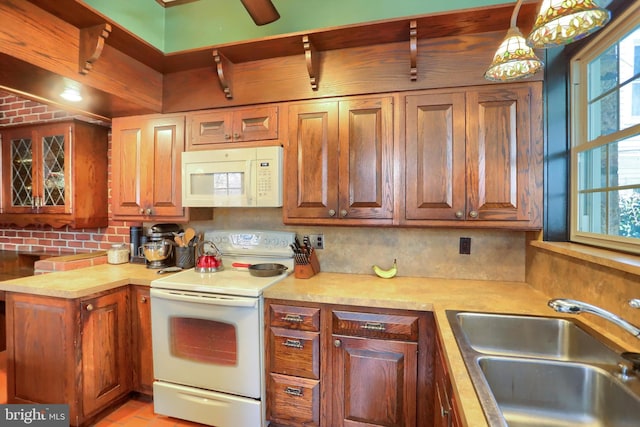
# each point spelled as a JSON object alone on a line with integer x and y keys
{"x": 237, "y": 177}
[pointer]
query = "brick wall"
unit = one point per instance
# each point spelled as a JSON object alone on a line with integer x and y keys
{"x": 15, "y": 110}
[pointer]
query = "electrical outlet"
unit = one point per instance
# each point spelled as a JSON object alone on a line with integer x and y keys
{"x": 316, "y": 240}
{"x": 465, "y": 245}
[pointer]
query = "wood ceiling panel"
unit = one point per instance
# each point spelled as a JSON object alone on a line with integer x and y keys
{"x": 469, "y": 21}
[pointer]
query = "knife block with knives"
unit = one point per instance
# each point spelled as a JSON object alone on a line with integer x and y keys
{"x": 305, "y": 259}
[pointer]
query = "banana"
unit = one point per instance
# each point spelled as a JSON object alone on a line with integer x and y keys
{"x": 386, "y": 274}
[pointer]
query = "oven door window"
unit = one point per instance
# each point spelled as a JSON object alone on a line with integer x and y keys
{"x": 202, "y": 340}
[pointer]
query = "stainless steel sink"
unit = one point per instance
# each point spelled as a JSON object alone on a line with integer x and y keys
{"x": 529, "y": 336}
{"x": 544, "y": 371}
{"x": 533, "y": 392}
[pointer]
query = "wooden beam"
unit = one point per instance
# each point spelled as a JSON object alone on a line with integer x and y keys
{"x": 36, "y": 47}
{"x": 224, "y": 68}
{"x": 91, "y": 45}
{"x": 413, "y": 49}
{"x": 312, "y": 59}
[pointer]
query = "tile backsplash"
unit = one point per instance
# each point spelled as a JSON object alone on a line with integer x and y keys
{"x": 561, "y": 276}
{"x": 422, "y": 252}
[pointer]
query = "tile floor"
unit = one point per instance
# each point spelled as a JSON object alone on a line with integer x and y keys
{"x": 137, "y": 412}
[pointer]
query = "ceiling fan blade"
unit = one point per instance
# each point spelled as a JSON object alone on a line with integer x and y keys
{"x": 262, "y": 11}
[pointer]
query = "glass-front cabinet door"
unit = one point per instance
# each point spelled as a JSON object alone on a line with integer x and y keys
{"x": 37, "y": 167}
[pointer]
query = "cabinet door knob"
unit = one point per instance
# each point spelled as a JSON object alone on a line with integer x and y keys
{"x": 459, "y": 214}
{"x": 332, "y": 212}
{"x": 473, "y": 214}
{"x": 343, "y": 213}
{"x": 227, "y": 136}
{"x": 149, "y": 211}
{"x": 89, "y": 307}
{"x": 236, "y": 136}
{"x": 143, "y": 299}
{"x": 337, "y": 343}
{"x": 141, "y": 211}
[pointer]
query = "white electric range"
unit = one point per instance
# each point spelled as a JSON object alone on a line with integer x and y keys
{"x": 208, "y": 333}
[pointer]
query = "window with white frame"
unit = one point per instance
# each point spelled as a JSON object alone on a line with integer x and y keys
{"x": 605, "y": 137}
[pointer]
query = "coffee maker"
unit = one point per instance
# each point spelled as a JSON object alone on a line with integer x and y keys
{"x": 159, "y": 233}
{"x": 136, "y": 239}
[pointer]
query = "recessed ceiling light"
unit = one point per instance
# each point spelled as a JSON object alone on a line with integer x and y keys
{"x": 71, "y": 91}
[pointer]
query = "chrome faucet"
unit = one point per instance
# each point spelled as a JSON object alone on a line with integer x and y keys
{"x": 572, "y": 306}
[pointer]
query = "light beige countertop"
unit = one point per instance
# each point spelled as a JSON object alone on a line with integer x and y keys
{"x": 410, "y": 293}
{"x": 82, "y": 282}
{"x": 426, "y": 294}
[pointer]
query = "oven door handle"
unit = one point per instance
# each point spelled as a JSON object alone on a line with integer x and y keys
{"x": 213, "y": 299}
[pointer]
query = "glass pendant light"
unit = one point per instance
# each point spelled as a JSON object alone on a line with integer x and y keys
{"x": 514, "y": 59}
{"x": 565, "y": 21}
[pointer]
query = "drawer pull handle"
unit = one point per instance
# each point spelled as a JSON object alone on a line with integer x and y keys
{"x": 293, "y": 343}
{"x": 293, "y": 391}
{"x": 293, "y": 318}
{"x": 371, "y": 326}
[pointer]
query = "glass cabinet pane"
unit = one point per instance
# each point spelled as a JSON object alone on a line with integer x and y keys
{"x": 53, "y": 170}
{"x": 21, "y": 176}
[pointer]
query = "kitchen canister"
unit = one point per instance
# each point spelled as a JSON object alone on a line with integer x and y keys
{"x": 185, "y": 256}
{"x": 118, "y": 254}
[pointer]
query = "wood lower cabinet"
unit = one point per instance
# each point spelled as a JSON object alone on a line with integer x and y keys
{"x": 141, "y": 351}
{"x": 73, "y": 351}
{"x": 339, "y": 162}
{"x": 374, "y": 369}
{"x": 146, "y": 169}
{"x": 105, "y": 335}
{"x": 445, "y": 413}
{"x": 293, "y": 365}
{"x": 357, "y": 366}
{"x": 474, "y": 157}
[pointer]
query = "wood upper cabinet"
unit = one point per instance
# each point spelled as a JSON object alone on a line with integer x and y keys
{"x": 435, "y": 156}
{"x": 56, "y": 174}
{"x": 339, "y": 162}
{"x": 68, "y": 350}
{"x": 208, "y": 129}
{"x": 141, "y": 350}
{"x": 474, "y": 157}
{"x": 146, "y": 169}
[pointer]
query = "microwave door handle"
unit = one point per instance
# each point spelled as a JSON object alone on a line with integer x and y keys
{"x": 211, "y": 299}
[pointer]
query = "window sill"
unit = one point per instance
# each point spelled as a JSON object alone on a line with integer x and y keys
{"x": 605, "y": 257}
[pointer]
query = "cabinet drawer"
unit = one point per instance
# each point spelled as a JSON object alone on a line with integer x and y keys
{"x": 384, "y": 326}
{"x": 293, "y": 401}
{"x": 292, "y": 317}
{"x": 295, "y": 352}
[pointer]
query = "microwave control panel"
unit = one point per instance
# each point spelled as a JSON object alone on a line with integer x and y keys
{"x": 269, "y": 176}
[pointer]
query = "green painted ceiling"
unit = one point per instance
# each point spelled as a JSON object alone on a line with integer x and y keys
{"x": 205, "y": 23}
